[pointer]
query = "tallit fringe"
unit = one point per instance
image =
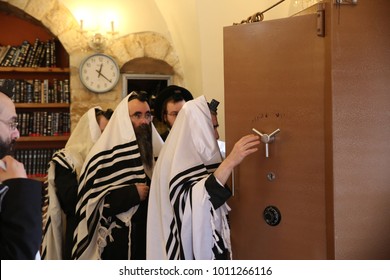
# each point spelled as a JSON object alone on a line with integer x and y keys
{"x": 126, "y": 218}
{"x": 214, "y": 229}
{"x": 129, "y": 243}
{"x": 225, "y": 230}
{"x": 102, "y": 233}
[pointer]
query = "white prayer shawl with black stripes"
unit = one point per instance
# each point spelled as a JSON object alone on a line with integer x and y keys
{"x": 182, "y": 222}
{"x": 71, "y": 157}
{"x": 114, "y": 162}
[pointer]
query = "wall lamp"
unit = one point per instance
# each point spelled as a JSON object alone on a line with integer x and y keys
{"x": 97, "y": 41}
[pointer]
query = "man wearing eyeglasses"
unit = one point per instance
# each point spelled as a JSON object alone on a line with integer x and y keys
{"x": 114, "y": 185}
{"x": 20, "y": 198}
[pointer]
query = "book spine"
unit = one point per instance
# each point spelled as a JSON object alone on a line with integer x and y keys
{"x": 53, "y": 50}
{"x": 3, "y": 53}
{"x": 15, "y": 57}
{"x": 8, "y": 57}
{"x": 24, "y": 53}
{"x": 29, "y": 92}
{"x": 55, "y": 91}
{"x": 31, "y": 54}
{"x": 45, "y": 90}
{"x": 47, "y": 60}
{"x": 61, "y": 91}
{"x": 42, "y": 58}
{"x": 22, "y": 91}
{"x": 37, "y": 91}
{"x": 44, "y": 123}
{"x": 37, "y": 55}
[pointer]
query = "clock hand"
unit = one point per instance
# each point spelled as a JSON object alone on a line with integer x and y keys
{"x": 100, "y": 73}
{"x": 105, "y": 78}
{"x": 100, "y": 70}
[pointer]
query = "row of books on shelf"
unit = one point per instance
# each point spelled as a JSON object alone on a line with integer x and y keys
{"x": 42, "y": 123}
{"x": 41, "y": 91}
{"x": 35, "y": 160}
{"x": 36, "y": 54}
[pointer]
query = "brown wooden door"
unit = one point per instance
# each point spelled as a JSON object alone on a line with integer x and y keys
{"x": 275, "y": 79}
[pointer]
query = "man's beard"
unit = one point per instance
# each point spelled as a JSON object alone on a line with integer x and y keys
{"x": 144, "y": 140}
{"x": 6, "y": 148}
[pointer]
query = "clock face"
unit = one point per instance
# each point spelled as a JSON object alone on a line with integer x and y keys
{"x": 99, "y": 73}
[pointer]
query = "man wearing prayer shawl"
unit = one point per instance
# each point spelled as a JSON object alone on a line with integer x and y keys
{"x": 62, "y": 184}
{"x": 187, "y": 215}
{"x": 113, "y": 188}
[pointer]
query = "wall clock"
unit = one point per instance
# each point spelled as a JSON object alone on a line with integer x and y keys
{"x": 99, "y": 73}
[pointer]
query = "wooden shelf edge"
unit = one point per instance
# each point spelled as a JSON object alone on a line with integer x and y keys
{"x": 43, "y": 138}
{"x": 36, "y": 69}
{"x": 41, "y": 105}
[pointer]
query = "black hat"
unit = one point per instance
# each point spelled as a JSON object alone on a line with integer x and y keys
{"x": 7, "y": 87}
{"x": 166, "y": 93}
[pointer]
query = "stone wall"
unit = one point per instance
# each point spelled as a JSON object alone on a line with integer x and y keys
{"x": 58, "y": 19}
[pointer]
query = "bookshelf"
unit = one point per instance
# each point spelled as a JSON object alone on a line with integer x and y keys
{"x": 42, "y": 89}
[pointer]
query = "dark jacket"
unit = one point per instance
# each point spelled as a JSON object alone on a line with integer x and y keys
{"x": 20, "y": 219}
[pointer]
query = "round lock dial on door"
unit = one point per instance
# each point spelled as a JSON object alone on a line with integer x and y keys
{"x": 99, "y": 73}
{"x": 272, "y": 215}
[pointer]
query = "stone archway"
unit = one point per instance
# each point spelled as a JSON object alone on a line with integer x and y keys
{"x": 59, "y": 20}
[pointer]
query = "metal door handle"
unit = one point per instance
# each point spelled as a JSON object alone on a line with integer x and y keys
{"x": 266, "y": 138}
{"x": 274, "y": 133}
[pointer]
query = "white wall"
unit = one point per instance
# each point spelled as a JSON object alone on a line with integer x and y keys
{"x": 194, "y": 27}
{"x": 213, "y": 16}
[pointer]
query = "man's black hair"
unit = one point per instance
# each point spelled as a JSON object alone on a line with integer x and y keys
{"x": 171, "y": 92}
{"x": 107, "y": 114}
{"x": 139, "y": 95}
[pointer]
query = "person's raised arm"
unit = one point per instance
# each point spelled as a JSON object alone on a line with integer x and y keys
{"x": 13, "y": 169}
{"x": 243, "y": 147}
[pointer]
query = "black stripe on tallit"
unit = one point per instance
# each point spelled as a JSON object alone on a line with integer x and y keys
{"x": 212, "y": 167}
{"x": 60, "y": 158}
{"x": 184, "y": 176}
{"x": 189, "y": 180}
{"x": 108, "y": 152}
{"x": 173, "y": 242}
{"x": 102, "y": 172}
{"x": 96, "y": 163}
{"x": 104, "y": 185}
{"x": 174, "y": 245}
{"x": 44, "y": 251}
{"x": 83, "y": 244}
{"x": 129, "y": 148}
{"x": 180, "y": 186}
{"x": 180, "y": 203}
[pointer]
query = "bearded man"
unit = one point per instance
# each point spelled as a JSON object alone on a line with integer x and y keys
{"x": 20, "y": 197}
{"x": 114, "y": 185}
